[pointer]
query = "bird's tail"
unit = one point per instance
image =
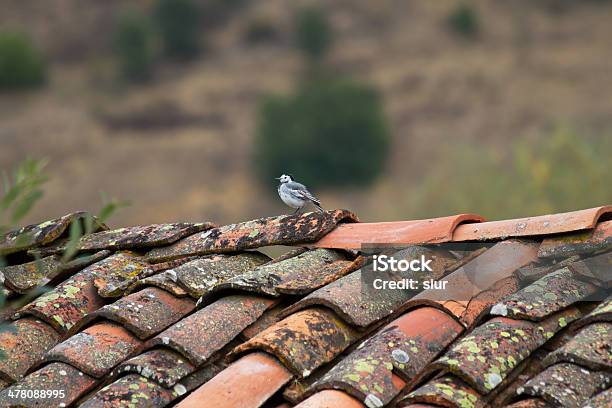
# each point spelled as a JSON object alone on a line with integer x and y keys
{"x": 318, "y": 205}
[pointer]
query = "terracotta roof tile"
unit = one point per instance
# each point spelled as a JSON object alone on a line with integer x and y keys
{"x": 267, "y": 319}
{"x": 96, "y": 350}
{"x": 481, "y": 282}
{"x": 547, "y": 295}
{"x": 201, "y": 274}
{"x": 330, "y": 399}
{"x": 41, "y": 234}
{"x": 66, "y": 304}
{"x": 435, "y": 230}
{"x": 304, "y": 341}
{"x": 131, "y": 391}
{"x": 51, "y": 379}
{"x": 591, "y": 348}
{"x": 24, "y": 342}
{"x": 601, "y": 400}
{"x": 578, "y": 243}
{"x": 300, "y": 274}
{"x": 143, "y": 236}
{"x": 24, "y": 277}
{"x": 347, "y": 298}
{"x": 165, "y": 280}
{"x": 116, "y": 273}
{"x": 530, "y": 226}
{"x": 405, "y": 347}
{"x": 486, "y": 356}
{"x": 602, "y": 313}
{"x": 281, "y": 230}
{"x": 205, "y": 332}
{"x": 530, "y": 403}
{"x": 448, "y": 391}
{"x": 229, "y": 389}
{"x": 162, "y": 366}
{"x": 144, "y": 313}
{"x": 595, "y": 269}
{"x": 566, "y": 385}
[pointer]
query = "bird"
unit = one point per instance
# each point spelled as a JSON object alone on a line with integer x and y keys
{"x": 296, "y": 195}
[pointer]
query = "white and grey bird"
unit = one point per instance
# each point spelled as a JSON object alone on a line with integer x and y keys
{"x": 295, "y": 195}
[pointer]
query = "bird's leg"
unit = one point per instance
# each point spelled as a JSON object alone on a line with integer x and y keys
{"x": 296, "y": 211}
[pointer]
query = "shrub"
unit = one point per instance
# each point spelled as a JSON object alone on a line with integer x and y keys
{"x": 178, "y": 22}
{"x": 330, "y": 133}
{"x": 464, "y": 20}
{"x": 313, "y": 32}
{"x": 21, "y": 64}
{"x": 134, "y": 47}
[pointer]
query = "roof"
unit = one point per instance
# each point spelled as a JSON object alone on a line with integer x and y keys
{"x": 194, "y": 315}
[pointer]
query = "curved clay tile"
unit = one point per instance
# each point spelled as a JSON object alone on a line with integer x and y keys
{"x": 532, "y": 226}
{"x": 589, "y": 348}
{"x": 281, "y": 230}
{"x": 577, "y": 243}
{"x": 435, "y": 230}
{"x": 330, "y": 399}
{"x": 447, "y": 391}
{"x": 132, "y": 390}
{"x": 236, "y": 386}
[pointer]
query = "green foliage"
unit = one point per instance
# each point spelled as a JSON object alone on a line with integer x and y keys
{"x": 178, "y": 22}
{"x": 313, "y": 32}
{"x": 21, "y": 64}
{"x": 134, "y": 47}
{"x": 464, "y": 21}
{"x": 562, "y": 171}
{"x": 330, "y": 133}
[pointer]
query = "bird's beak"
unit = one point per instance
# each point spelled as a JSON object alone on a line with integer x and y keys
{"x": 276, "y": 178}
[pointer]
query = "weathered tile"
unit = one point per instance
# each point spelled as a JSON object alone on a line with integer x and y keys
{"x": 544, "y": 297}
{"x": 144, "y": 313}
{"x": 435, "y": 230}
{"x": 56, "y": 384}
{"x": 304, "y": 341}
{"x": 132, "y": 391}
{"x": 233, "y": 387}
{"x": 404, "y": 348}
{"x": 298, "y": 275}
{"x": 566, "y": 385}
{"x": 530, "y": 403}
{"x": 490, "y": 352}
{"x": 595, "y": 269}
{"x": 41, "y": 234}
{"x": 267, "y": 319}
{"x": 96, "y": 350}
{"x": 165, "y": 280}
{"x": 447, "y": 390}
{"x": 114, "y": 275}
{"x": 590, "y": 348}
{"x": 200, "y": 275}
{"x": 162, "y": 366}
{"x": 24, "y": 342}
{"x": 578, "y": 243}
{"x": 200, "y": 335}
{"x": 602, "y": 313}
{"x": 532, "y": 226}
{"x": 601, "y": 400}
{"x": 25, "y": 277}
{"x": 143, "y": 236}
{"x": 330, "y": 399}
{"x": 281, "y": 230}
{"x": 347, "y": 298}
{"x": 66, "y": 304}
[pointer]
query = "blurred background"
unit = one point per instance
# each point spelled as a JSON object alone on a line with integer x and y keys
{"x": 395, "y": 109}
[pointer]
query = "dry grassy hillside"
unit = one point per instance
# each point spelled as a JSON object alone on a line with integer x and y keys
{"x": 179, "y": 148}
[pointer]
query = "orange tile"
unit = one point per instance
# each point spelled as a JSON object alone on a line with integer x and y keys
{"x": 330, "y": 399}
{"x": 540, "y": 225}
{"x": 247, "y": 383}
{"x": 435, "y": 230}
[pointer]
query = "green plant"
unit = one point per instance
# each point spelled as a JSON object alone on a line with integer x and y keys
{"x": 313, "y": 32}
{"x": 330, "y": 133}
{"x": 178, "y": 22}
{"x": 21, "y": 64}
{"x": 464, "y": 20}
{"x": 260, "y": 31}
{"x": 134, "y": 47}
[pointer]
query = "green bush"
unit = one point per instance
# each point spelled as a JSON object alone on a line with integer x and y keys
{"x": 21, "y": 64}
{"x": 179, "y": 24}
{"x": 134, "y": 47}
{"x": 313, "y": 32}
{"x": 464, "y": 20}
{"x": 330, "y": 133}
